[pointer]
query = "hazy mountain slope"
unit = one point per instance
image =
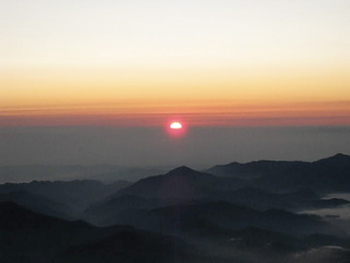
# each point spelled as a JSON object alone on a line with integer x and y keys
{"x": 214, "y": 218}
{"x": 104, "y": 173}
{"x": 77, "y": 195}
{"x": 183, "y": 185}
{"x": 227, "y": 215}
{"x": 26, "y": 236}
{"x": 105, "y": 212}
{"x": 178, "y": 186}
{"x": 38, "y": 204}
{"x": 294, "y": 201}
{"x": 209, "y": 217}
{"x": 257, "y": 169}
{"x": 131, "y": 246}
{"x": 326, "y": 175}
{"x": 180, "y": 183}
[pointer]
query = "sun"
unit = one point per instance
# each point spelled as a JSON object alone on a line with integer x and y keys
{"x": 176, "y": 128}
{"x": 175, "y": 125}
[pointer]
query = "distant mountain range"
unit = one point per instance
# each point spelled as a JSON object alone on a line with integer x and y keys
{"x": 63, "y": 199}
{"x": 104, "y": 173}
{"x": 235, "y": 212}
{"x": 327, "y": 175}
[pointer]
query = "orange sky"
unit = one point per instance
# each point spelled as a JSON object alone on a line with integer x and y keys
{"x": 142, "y": 62}
{"x": 152, "y": 97}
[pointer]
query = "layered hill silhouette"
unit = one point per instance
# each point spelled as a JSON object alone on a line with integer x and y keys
{"x": 66, "y": 199}
{"x": 38, "y": 204}
{"x": 27, "y": 236}
{"x": 326, "y": 175}
{"x": 293, "y": 201}
{"x": 183, "y": 185}
{"x": 230, "y": 213}
{"x": 188, "y": 219}
{"x": 180, "y": 183}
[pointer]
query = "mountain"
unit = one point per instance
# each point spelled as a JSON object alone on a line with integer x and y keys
{"x": 185, "y": 185}
{"x": 338, "y": 160}
{"x": 15, "y": 217}
{"x": 131, "y": 246}
{"x": 38, "y": 204}
{"x": 257, "y": 169}
{"x": 26, "y": 236}
{"x": 76, "y": 195}
{"x": 32, "y": 237}
{"x": 268, "y": 246}
{"x": 106, "y": 211}
{"x": 213, "y": 218}
{"x": 262, "y": 238}
{"x": 178, "y": 186}
{"x": 294, "y": 201}
{"x": 253, "y": 237}
{"x": 104, "y": 173}
{"x": 180, "y": 183}
{"x": 324, "y": 176}
{"x": 182, "y": 216}
{"x": 227, "y": 215}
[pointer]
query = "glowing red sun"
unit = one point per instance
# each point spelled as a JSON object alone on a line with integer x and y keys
{"x": 175, "y": 125}
{"x": 176, "y": 128}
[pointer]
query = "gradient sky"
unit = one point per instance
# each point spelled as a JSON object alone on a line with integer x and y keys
{"x": 140, "y": 63}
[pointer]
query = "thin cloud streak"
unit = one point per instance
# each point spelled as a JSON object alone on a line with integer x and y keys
{"x": 196, "y": 114}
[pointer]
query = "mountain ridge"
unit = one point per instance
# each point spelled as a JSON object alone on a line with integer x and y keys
{"x": 325, "y": 175}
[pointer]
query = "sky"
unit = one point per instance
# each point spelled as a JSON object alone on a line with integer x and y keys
{"x": 139, "y": 64}
{"x": 200, "y": 148}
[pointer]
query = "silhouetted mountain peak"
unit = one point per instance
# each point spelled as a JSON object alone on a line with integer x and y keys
{"x": 181, "y": 182}
{"x": 182, "y": 170}
{"x": 337, "y": 159}
{"x": 231, "y": 164}
{"x": 340, "y": 155}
